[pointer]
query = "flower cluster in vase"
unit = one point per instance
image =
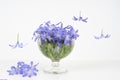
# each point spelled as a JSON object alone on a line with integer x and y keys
{"x": 56, "y": 33}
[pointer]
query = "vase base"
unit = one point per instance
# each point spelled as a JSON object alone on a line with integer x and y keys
{"x": 55, "y": 70}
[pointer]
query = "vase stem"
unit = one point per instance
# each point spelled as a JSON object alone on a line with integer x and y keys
{"x": 55, "y": 68}
{"x": 55, "y": 64}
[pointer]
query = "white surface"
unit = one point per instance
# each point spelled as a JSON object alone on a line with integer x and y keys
{"x": 77, "y": 70}
{"x": 90, "y": 60}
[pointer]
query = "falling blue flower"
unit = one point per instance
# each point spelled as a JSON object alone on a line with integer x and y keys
{"x": 102, "y": 35}
{"x": 24, "y": 69}
{"x": 17, "y": 44}
{"x": 80, "y": 18}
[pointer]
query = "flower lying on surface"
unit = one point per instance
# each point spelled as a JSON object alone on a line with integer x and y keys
{"x": 24, "y": 69}
{"x": 17, "y": 44}
{"x": 102, "y": 35}
{"x": 55, "y": 33}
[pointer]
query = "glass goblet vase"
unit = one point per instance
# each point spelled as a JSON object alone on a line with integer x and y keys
{"x": 55, "y": 53}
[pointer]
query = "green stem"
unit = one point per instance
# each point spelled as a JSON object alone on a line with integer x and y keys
{"x": 18, "y": 37}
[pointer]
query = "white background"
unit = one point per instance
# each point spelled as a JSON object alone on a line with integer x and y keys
{"x": 91, "y": 59}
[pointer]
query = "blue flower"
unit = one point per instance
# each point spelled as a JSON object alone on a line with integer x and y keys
{"x": 71, "y": 32}
{"x": 80, "y": 18}
{"x": 24, "y": 69}
{"x": 17, "y": 44}
{"x": 59, "y": 34}
{"x": 29, "y": 70}
{"x": 102, "y": 35}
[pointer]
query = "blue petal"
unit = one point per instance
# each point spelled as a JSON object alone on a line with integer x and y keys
{"x": 80, "y": 18}
{"x": 74, "y": 18}
{"x": 85, "y": 20}
{"x": 96, "y": 37}
{"x": 20, "y": 64}
{"x": 107, "y": 36}
{"x": 13, "y": 46}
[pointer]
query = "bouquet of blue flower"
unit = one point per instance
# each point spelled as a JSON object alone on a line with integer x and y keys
{"x": 54, "y": 40}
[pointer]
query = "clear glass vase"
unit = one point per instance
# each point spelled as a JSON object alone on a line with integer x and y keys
{"x": 55, "y": 53}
